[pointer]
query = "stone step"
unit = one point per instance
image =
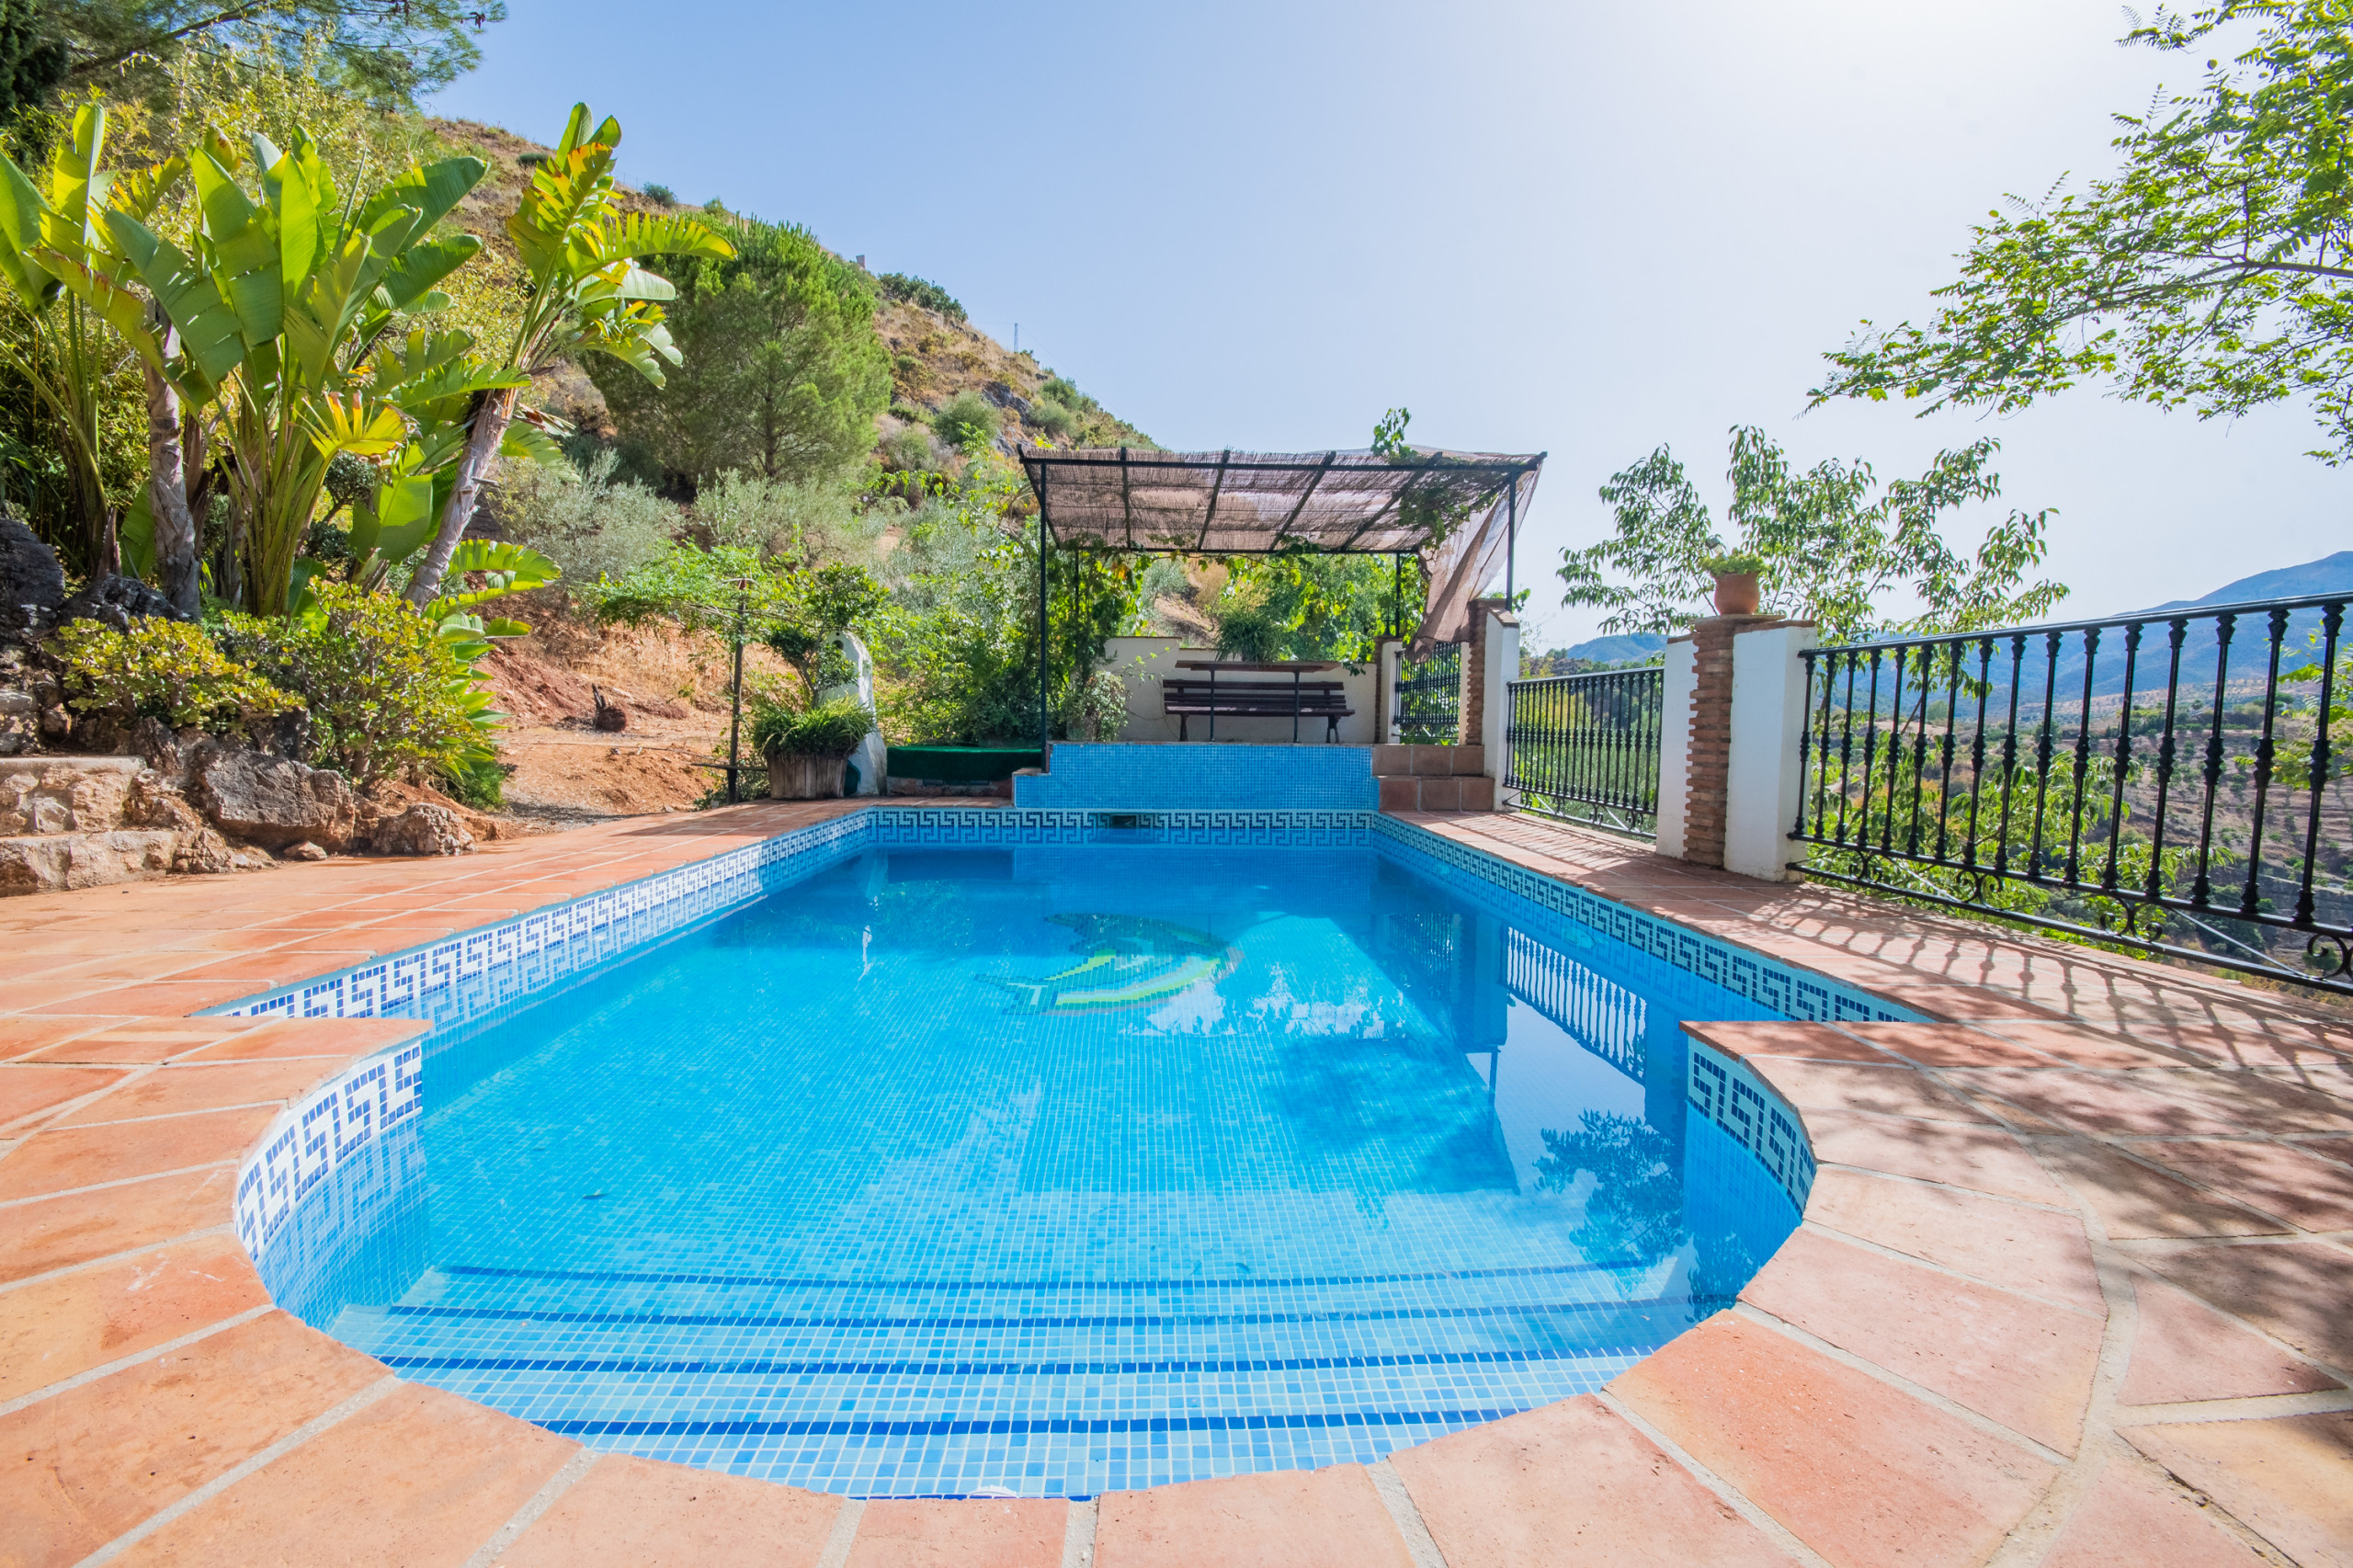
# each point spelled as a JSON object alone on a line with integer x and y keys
{"x": 1426, "y": 761}
{"x": 1414, "y": 792}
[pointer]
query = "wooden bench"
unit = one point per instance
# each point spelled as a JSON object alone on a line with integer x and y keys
{"x": 1186, "y": 696}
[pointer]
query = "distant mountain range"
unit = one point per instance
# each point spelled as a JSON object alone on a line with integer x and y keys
{"x": 1617, "y": 650}
{"x": 2329, "y": 574}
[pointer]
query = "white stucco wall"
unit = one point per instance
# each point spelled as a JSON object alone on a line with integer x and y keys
{"x": 1762, "y": 783}
{"x": 1674, "y": 743}
{"x": 1144, "y": 662}
{"x": 1502, "y": 634}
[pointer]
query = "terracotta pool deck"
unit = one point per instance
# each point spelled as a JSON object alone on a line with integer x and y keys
{"x": 2075, "y": 1287}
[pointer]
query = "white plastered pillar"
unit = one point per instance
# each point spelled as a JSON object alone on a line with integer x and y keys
{"x": 1765, "y": 770}
{"x": 1392, "y": 650}
{"x": 1500, "y": 668}
{"x": 1674, "y": 743}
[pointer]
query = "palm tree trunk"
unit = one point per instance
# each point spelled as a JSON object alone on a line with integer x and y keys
{"x": 175, "y": 570}
{"x": 492, "y": 411}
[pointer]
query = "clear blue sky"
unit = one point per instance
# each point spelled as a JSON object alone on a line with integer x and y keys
{"x": 1585, "y": 230}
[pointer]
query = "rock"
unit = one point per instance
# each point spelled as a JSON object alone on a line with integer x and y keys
{"x": 306, "y": 850}
{"x": 155, "y": 801}
{"x": 32, "y": 584}
{"x": 271, "y": 800}
{"x": 19, "y": 721}
{"x": 54, "y": 861}
{"x": 421, "y": 830}
{"x": 40, "y": 795}
{"x": 116, "y": 601}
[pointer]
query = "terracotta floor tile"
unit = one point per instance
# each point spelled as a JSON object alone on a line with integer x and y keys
{"x": 55, "y": 1329}
{"x": 634, "y": 1512}
{"x": 1841, "y": 1086}
{"x": 1291, "y": 1518}
{"x": 2098, "y": 1102}
{"x": 92, "y": 1463}
{"x": 1963, "y": 1003}
{"x": 2132, "y": 1519}
{"x": 278, "y": 966}
{"x": 48, "y": 1233}
{"x": 2183, "y": 1350}
{"x": 22, "y": 1037}
{"x": 2019, "y": 1362}
{"x": 161, "y": 998}
{"x": 1812, "y": 1042}
{"x": 133, "y": 1047}
{"x": 25, "y": 1090}
{"x": 288, "y": 1037}
{"x": 1572, "y": 1482}
{"x": 2297, "y": 1186}
{"x": 1949, "y": 1045}
{"x": 176, "y": 1090}
{"x": 1860, "y": 1471}
{"x": 976, "y": 1533}
{"x": 2035, "y": 1251}
{"x": 463, "y": 1470}
{"x": 2292, "y": 1290}
{"x": 84, "y": 1156}
{"x": 1984, "y": 1159}
{"x": 2134, "y": 1201}
{"x": 2290, "y": 1479}
{"x": 2081, "y": 1045}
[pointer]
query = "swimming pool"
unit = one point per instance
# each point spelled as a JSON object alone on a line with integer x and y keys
{"x": 1053, "y": 1169}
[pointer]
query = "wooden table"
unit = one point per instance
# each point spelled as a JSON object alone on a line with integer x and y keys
{"x": 1295, "y": 668}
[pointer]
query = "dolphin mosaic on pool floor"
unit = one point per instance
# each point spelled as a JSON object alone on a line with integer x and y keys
{"x": 2070, "y": 1287}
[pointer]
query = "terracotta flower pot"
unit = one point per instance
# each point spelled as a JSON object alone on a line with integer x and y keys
{"x": 795, "y": 778}
{"x": 1736, "y": 593}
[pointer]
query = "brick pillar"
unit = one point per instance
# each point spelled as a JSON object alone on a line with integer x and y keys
{"x": 1472, "y": 728}
{"x": 1707, "y": 777}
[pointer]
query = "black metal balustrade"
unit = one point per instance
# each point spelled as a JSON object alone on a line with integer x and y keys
{"x": 2174, "y": 782}
{"x": 1429, "y": 697}
{"x": 1585, "y": 747}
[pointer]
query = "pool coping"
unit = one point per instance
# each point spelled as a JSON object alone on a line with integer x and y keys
{"x": 2036, "y": 1213}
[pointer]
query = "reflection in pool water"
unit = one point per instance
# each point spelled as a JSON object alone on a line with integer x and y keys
{"x": 1059, "y": 1170}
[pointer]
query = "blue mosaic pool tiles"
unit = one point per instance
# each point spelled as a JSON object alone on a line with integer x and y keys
{"x": 449, "y": 980}
{"x": 326, "y": 1128}
{"x": 1728, "y": 1093}
{"x": 1143, "y": 777}
{"x": 1027, "y": 827}
{"x": 1792, "y": 994}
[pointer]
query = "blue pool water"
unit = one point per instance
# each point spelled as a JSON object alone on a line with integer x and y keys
{"x": 1058, "y": 1171}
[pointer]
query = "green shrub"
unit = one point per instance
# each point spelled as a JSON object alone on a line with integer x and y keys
{"x": 655, "y": 191}
{"x": 1052, "y": 417}
{"x": 1063, "y": 390}
{"x": 386, "y": 691}
{"x": 1097, "y": 708}
{"x": 162, "y": 669}
{"x": 830, "y": 729}
{"x": 910, "y": 451}
{"x": 966, "y": 421}
{"x": 582, "y": 518}
{"x": 920, "y": 292}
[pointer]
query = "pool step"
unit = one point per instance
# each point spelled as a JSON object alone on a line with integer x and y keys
{"x": 1112, "y": 1384}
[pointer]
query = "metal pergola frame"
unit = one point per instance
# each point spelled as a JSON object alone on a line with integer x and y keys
{"x": 1507, "y": 472}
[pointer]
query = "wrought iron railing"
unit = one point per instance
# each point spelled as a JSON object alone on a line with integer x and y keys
{"x": 2174, "y": 782}
{"x": 1429, "y": 697}
{"x": 1585, "y": 747}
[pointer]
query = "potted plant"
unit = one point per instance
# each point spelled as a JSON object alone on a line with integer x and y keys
{"x": 1735, "y": 573}
{"x": 807, "y": 747}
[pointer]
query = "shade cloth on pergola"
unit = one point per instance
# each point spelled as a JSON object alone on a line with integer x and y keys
{"x": 1341, "y": 503}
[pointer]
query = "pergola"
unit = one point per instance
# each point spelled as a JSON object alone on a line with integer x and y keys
{"x": 1334, "y": 502}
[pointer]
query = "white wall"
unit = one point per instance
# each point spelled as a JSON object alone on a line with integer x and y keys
{"x": 1674, "y": 743}
{"x": 1502, "y": 667}
{"x": 1144, "y": 662}
{"x": 1768, "y": 711}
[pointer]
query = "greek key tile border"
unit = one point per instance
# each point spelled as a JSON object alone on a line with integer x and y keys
{"x": 318, "y": 1135}
{"x": 1769, "y": 984}
{"x": 1727, "y": 1092}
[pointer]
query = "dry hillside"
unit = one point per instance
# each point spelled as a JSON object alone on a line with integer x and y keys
{"x": 672, "y": 687}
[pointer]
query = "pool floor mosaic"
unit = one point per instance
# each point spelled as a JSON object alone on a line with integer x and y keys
{"x": 1057, "y": 1169}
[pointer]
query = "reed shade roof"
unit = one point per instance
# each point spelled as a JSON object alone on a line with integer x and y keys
{"x": 1342, "y": 503}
